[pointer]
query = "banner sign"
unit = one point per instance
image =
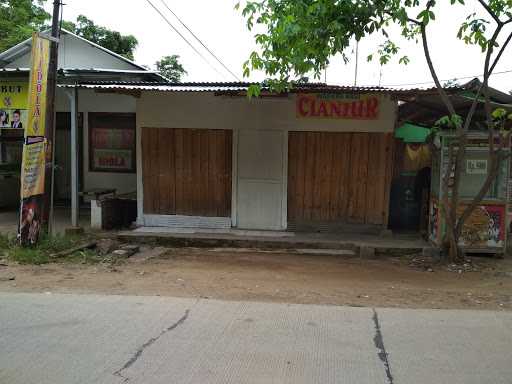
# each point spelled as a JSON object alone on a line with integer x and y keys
{"x": 112, "y": 160}
{"x": 476, "y": 166}
{"x": 32, "y": 170}
{"x": 112, "y": 149}
{"x": 35, "y": 147}
{"x": 38, "y": 85}
{"x": 337, "y": 106}
{"x": 13, "y": 104}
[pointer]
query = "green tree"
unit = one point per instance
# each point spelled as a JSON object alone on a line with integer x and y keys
{"x": 300, "y": 37}
{"x": 170, "y": 67}
{"x": 18, "y": 19}
{"x": 123, "y": 45}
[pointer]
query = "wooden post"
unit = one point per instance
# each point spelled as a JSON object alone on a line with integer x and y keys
{"x": 50, "y": 116}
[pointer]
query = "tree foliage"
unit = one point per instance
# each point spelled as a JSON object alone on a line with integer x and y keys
{"x": 123, "y": 45}
{"x": 18, "y": 19}
{"x": 170, "y": 67}
{"x": 301, "y": 36}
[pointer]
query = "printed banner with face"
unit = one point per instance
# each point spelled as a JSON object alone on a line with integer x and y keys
{"x": 32, "y": 190}
{"x": 35, "y": 146}
{"x": 37, "y": 86}
{"x": 13, "y": 104}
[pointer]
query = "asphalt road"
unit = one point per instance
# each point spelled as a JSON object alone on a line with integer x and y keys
{"x": 68, "y": 339}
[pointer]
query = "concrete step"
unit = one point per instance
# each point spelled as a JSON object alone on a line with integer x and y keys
{"x": 301, "y": 243}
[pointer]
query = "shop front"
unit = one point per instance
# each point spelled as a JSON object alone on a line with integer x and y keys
{"x": 13, "y": 117}
{"x": 315, "y": 161}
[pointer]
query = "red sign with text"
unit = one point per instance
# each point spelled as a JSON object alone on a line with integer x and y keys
{"x": 337, "y": 106}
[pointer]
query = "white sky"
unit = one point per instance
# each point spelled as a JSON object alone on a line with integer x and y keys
{"x": 223, "y": 30}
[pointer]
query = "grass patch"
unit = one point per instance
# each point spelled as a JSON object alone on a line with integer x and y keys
{"x": 40, "y": 254}
{"x": 5, "y": 242}
{"x": 86, "y": 256}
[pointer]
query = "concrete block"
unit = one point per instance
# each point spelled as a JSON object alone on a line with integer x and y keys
{"x": 96, "y": 215}
{"x": 366, "y": 252}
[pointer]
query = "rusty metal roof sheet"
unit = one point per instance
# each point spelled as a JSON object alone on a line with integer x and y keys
{"x": 236, "y": 87}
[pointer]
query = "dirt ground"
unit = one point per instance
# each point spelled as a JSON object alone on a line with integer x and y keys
{"x": 277, "y": 277}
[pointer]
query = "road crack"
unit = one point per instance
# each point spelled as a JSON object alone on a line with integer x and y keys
{"x": 379, "y": 344}
{"x": 147, "y": 344}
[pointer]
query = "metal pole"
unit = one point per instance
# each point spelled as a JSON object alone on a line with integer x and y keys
{"x": 50, "y": 115}
{"x": 73, "y": 98}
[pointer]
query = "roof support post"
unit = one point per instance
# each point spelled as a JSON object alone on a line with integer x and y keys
{"x": 73, "y": 99}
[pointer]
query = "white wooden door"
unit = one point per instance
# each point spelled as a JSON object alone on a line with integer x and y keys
{"x": 260, "y": 179}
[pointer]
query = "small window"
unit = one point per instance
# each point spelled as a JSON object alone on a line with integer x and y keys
{"x": 112, "y": 142}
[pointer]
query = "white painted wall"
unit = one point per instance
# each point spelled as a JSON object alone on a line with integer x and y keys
{"x": 204, "y": 110}
{"x": 77, "y": 53}
{"x": 260, "y": 179}
{"x": 90, "y": 101}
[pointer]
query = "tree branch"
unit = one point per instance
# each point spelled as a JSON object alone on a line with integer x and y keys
{"x": 485, "y": 85}
{"x": 498, "y": 56}
{"x": 490, "y": 11}
{"x": 433, "y": 73}
{"x": 472, "y": 110}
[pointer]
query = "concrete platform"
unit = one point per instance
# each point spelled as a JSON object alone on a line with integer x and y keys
{"x": 236, "y": 238}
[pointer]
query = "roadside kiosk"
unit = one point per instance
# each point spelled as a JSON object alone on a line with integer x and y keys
{"x": 485, "y": 231}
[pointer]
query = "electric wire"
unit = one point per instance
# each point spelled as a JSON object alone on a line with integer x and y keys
{"x": 183, "y": 37}
{"x": 199, "y": 40}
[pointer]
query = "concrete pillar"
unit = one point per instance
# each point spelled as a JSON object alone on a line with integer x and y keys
{"x": 73, "y": 98}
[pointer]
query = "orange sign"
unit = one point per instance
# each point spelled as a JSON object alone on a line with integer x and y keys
{"x": 337, "y": 106}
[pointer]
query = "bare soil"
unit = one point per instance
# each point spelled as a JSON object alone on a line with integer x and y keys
{"x": 278, "y": 277}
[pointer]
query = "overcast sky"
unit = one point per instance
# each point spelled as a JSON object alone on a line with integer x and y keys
{"x": 223, "y": 30}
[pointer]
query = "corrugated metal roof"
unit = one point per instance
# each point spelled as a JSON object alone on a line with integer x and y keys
{"x": 220, "y": 87}
{"x": 240, "y": 87}
{"x": 100, "y": 70}
{"x": 159, "y": 87}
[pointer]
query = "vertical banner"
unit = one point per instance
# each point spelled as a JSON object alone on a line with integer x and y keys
{"x": 34, "y": 147}
{"x": 37, "y": 86}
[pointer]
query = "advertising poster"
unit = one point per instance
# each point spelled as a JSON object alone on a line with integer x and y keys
{"x": 35, "y": 145}
{"x": 112, "y": 150}
{"x": 37, "y": 87}
{"x": 13, "y": 104}
{"x": 32, "y": 169}
{"x": 485, "y": 227}
{"x": 32, "y": 191}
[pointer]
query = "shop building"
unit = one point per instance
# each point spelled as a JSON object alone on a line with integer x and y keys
{"x": 105, "y": 123}
{"x": 319, "y": 158}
